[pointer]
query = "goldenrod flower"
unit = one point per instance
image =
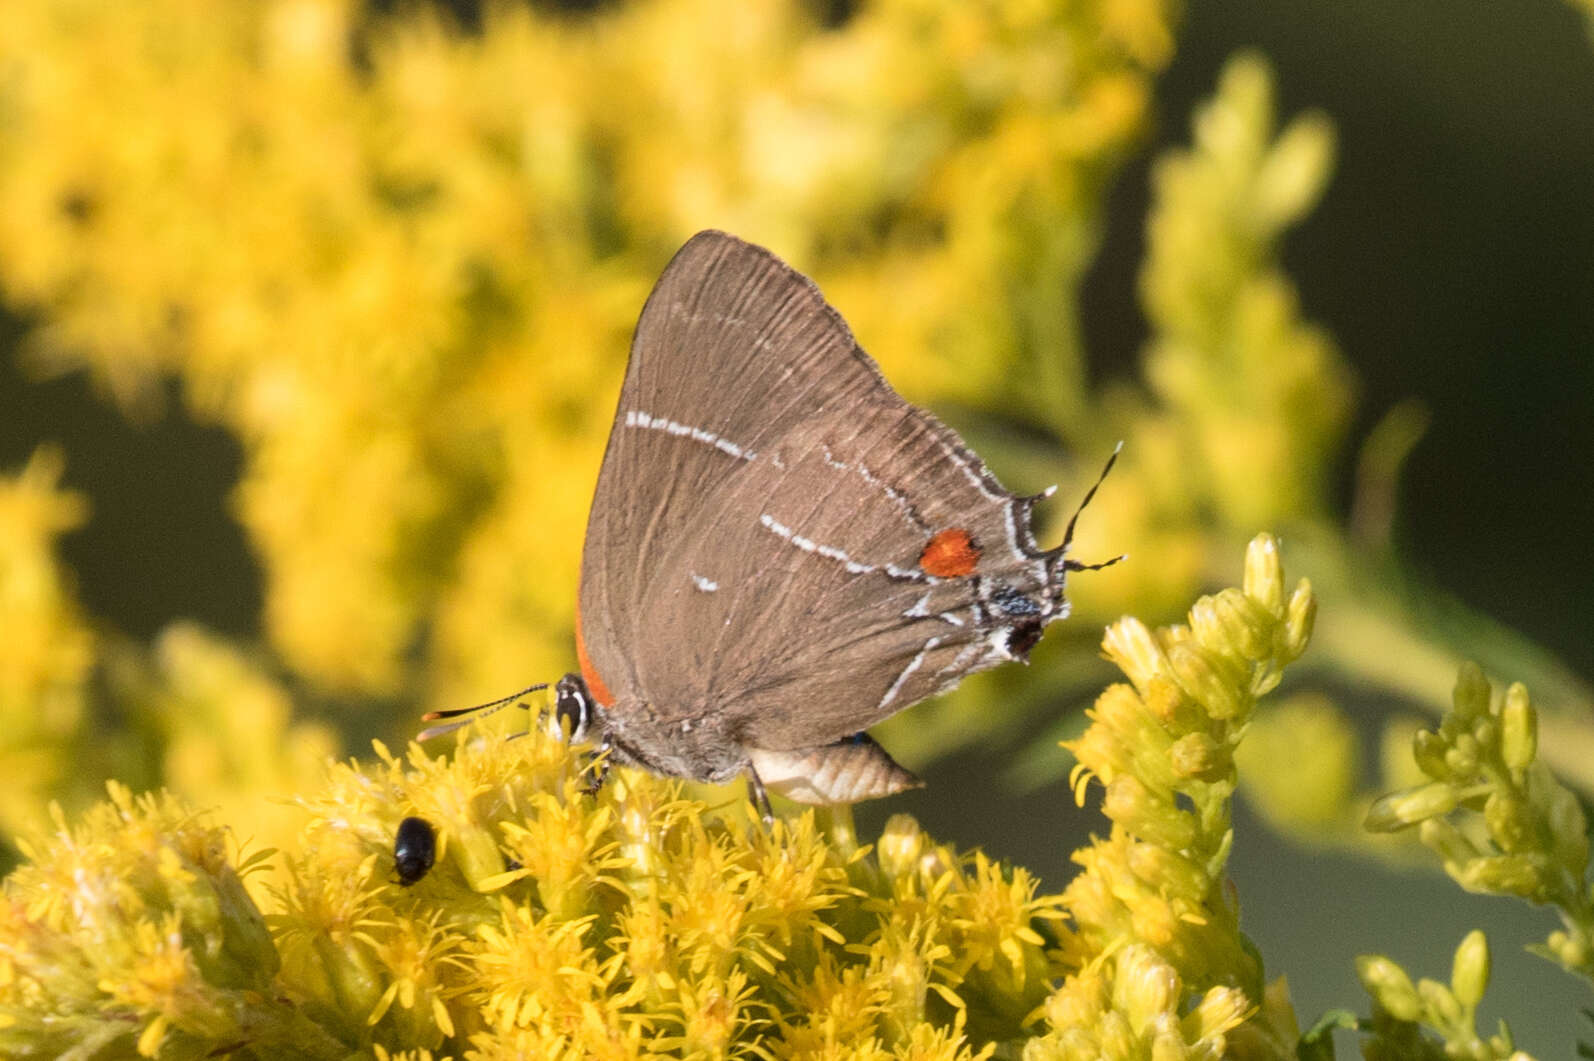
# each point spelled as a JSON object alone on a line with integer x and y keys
{"x": 1155, "y": 922}
{"x": 637, "y": 921}
{"x": 1496, "y": 816}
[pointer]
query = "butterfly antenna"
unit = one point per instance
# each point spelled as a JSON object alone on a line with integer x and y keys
{"x": 1068, "y": 534}
{"x": 479, "y": 711}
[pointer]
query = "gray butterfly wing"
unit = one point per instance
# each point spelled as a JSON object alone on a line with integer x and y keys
{"x": 780, "y": 544}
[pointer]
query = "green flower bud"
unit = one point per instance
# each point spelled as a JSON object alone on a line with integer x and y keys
{"x": 1442, "y": 1005}
{"x": 476, "y": 852}
{"x": 1293, "y": 173}
{"x": 1469, "y": 973}
{"x": 1486, "y": 731}
{"x": 1521, "y": 875}
{"x": 1471, "y": 695}
{"x": 1568, "y": 830}
{"x": 1231, "y": 618}
{"x": 1206, "y": 625}
{"x": 1203, "y": 677}
{"x": 1264, "y": 573}
{"x": 1462, "y": 758}
{"x": 1511, "y": 822}
{"x": 1169, "y": 873}
{"x": 1198, "y": 755}
{"x": 1151, "y": 818}
{"x": 1448, "y": 842}
{"x": 1299, "y": 620}
{"x": 1389, "y": 985}
{"x": 1572, "y": 951}
{"x": 1429, "y": 748}
{"x": 1519, "y": 728}
{"x": 840, "y": 828}
{"x": 1410, "y": 806}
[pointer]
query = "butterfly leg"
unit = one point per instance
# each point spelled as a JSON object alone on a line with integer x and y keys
{"x": 760, "y": 797}
{"x": 597, "y": 768}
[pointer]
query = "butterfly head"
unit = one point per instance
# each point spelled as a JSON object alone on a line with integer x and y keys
{"x": 576, "y": 716}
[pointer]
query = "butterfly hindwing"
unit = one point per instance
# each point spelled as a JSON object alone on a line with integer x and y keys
{"x": 781, "y": 544}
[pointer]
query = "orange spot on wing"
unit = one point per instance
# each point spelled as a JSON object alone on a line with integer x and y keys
{"x": 950, "y": 553}
{"x": 589, "y": 674}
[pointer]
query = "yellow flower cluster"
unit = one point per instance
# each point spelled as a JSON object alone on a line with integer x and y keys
{"x": 1248, "y": 401}
{"x": 639, "y": 921}
{"x": 1503, "y": 825}
{"x": 1166, "y": 970}
{"x": 47, "y": 649}
{"x": 196, "y": 712}
{"x": 401, "y": 262}
{"x": 1500, "y": 820}
{"x": 1450, "y": 1009}
{"x": 406, "y": 283}
{"x": 131, "y": 926}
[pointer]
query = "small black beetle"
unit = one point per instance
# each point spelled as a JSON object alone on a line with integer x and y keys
{"x": 414, "y": 850}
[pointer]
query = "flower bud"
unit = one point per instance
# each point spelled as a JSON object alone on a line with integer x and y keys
{"x": 1198, "y": 755}
{"x": 1389, "y": 985}
{"x": 1299, "y": 620}
{"x": 1410, "y": 806}
{"x": 840, "y": 829}
{"x": 1203, "y": 677}
{"x": 1471, "y": 695}
{"x": 1206, "y": 625}
{"x": 1462, "y": 757}
{"x": 1511, "y": 822}
{"x": 1520, "y": 875}
{"x": 1264, "y": 573}
{"x": 1233, "y": 622}
{"x": 901, "y": 843}
{"x": 1568, "y": 830}
{"x": 1428, "y": 749}
{"x": 1154, "y": 820}
{"x": 1169, "y": 873}
{"x": 1519, "y": 728}
{"x": 1116, "y": 1038}
{"x": 1293, "y": 172}
{"x": 940, "y": 863}
{"x": 1469, "y": 973}
{"x": 1220, "y": 1010}
{"x": 1448, "y": 842}
{"x": 1145, "y": 986}
{"x": 1130, "y": 644}
{"x": 1486, "y": 734}
{"x": 1443, "y": 1007}
{"x": 1572, "y": 951}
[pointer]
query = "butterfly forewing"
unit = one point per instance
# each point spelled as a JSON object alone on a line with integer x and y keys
{"x": 779, "y": 541}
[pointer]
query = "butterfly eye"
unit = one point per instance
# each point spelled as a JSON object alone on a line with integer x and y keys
{"x": 572, "y": 712}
